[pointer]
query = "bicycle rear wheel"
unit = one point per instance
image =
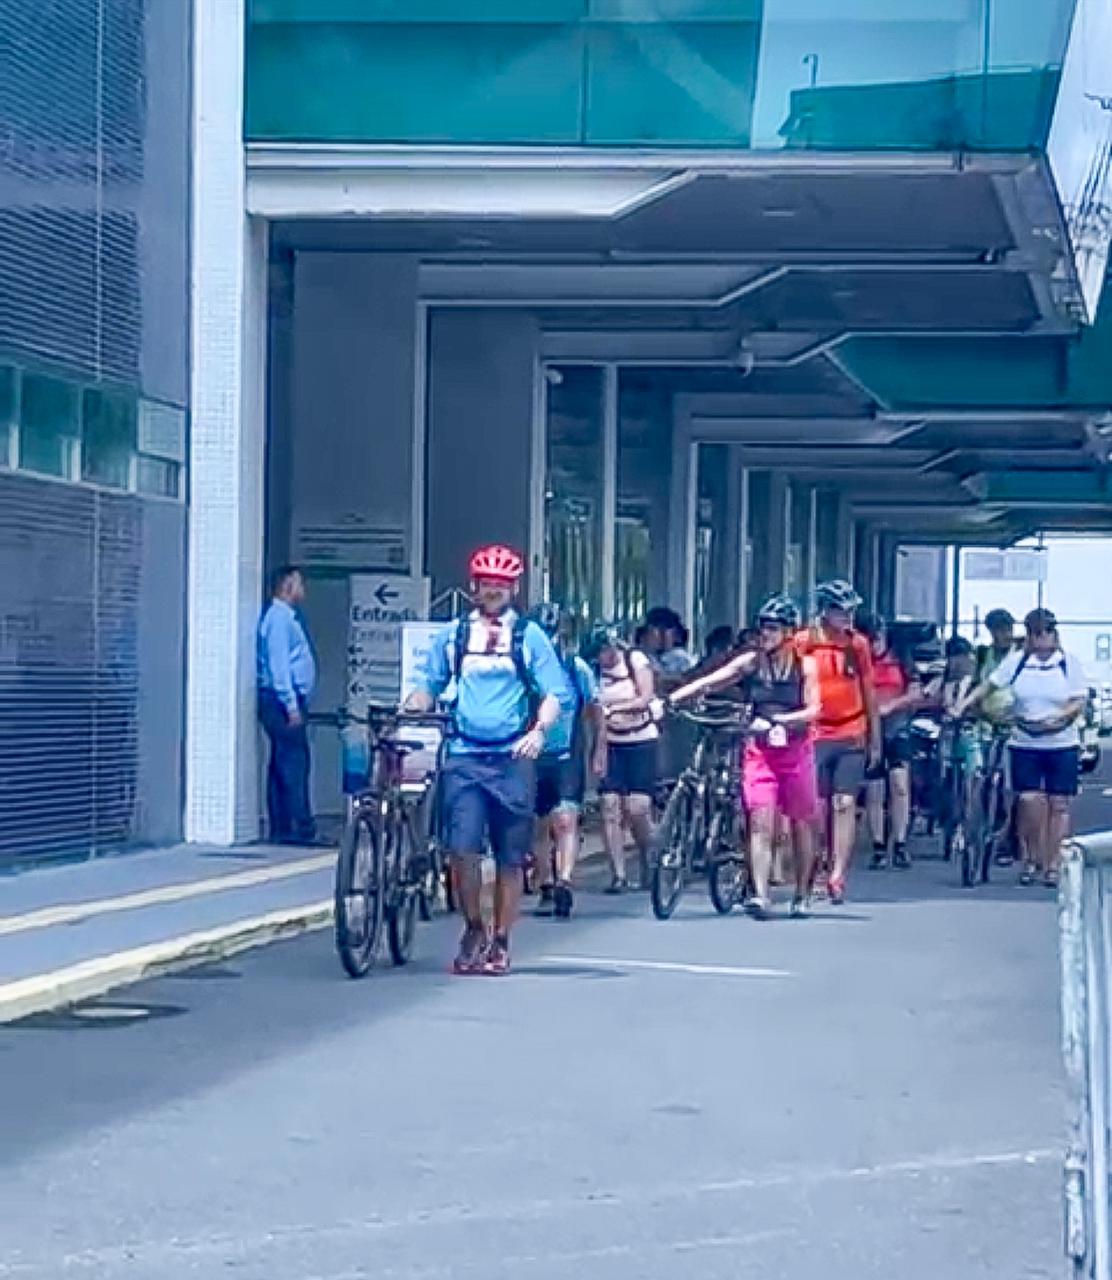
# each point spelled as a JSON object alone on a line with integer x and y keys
{"x": 360, "y": 894}
{"x": 674, "y": 838}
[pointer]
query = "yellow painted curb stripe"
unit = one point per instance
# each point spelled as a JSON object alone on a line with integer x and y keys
{"x": 92, "y": 978}
{"x": 73, "y": 912}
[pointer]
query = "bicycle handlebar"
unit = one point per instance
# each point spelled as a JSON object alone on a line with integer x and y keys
{"x": 381, "y": 713}
{"x": 722, "y": 720}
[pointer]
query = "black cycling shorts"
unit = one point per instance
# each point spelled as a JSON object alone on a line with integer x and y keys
{"x": 561, "y": 783}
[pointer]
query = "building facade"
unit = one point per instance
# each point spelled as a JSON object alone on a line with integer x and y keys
{"x": 94, "y": 399}
{"x": 691, "y": 299}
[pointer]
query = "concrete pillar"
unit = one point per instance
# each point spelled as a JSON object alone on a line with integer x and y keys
{"x": 227, "y": 445}
{"x": 810, "y": 559}
{"x": 861, "y": 564}
{"x": 482, "y": 446}
{"x": 770, "y": 529}
{"x": 886, "y": 602}
{"x": 682, "y": 501}
{"x": 834, "y": 543}
{"x": 733, "y": 569}
{"x": 353, "y": 452}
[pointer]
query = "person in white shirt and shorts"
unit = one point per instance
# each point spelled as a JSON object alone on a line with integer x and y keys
{"x": 1048, "y": 691}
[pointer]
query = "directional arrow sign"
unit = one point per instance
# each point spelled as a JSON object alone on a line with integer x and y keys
{"x": 380, "y": 605}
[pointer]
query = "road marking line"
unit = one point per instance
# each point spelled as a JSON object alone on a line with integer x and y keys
{"x": 73, "y": 912}
{"x": 894, "y": 1169}
{"x": 668, "y": 966}
{"x": 92, "y": 978}
{"x": 160, "y": 1253}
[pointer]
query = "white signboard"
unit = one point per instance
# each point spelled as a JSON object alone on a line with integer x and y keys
{"x": 1005, "y": 566}
{"x": 350, "y": 543}
{"x": 380, "y": 606}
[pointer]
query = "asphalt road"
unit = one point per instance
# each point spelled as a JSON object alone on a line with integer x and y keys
{"x": 873, "y": 1093}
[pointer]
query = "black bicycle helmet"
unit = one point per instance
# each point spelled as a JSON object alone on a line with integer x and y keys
{"x": 780, "y": 609}
{"x": 837, "y": 594}
{"x": 548, "y": 616}
{"x": 603, "y": 635}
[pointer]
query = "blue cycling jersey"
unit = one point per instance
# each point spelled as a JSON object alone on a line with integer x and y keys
{"x": 492, "y": 703}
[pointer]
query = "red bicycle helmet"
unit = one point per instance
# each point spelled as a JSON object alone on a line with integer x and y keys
{"x": 497, "y": 563}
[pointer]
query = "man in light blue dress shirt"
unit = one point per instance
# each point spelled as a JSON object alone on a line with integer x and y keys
{"x": 287, "y": 674}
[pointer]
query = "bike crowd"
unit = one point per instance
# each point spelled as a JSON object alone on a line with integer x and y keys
{"x": 758, "y": 764}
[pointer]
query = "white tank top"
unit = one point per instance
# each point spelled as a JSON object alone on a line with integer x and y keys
{"x": 617, "y": 686}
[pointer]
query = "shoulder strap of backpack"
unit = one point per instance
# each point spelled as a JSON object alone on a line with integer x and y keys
{"x": 459, "y": 646}
{"x": 520, "y": 661}
{"x": 1021, "y": 665}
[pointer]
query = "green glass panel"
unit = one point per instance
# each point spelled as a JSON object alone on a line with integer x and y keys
{"x": 48, "y": 422}
{"x": 8, "y": 384}
{"x": 676, "y": 11}
{"x": 659, "y": 83}
{"x": 1009, "y": 111}
{"x": 318, "y": 12}
{"x": 1052, "y": 487}
{"x": 108, "y": 437}
{"x": 854, "y": 74}
{"x": 907, "y": 73}
{"x": 492, "y": 84}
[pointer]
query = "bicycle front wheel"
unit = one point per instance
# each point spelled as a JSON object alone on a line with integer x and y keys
{"x": 728, "y": 871}
{"x": 403, "y": 897}
{"x": 360, "y": 893}
{"x": 675, "y": 836}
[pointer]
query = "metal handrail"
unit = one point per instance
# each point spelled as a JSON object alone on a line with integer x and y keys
{"x": 1085, "y": 949}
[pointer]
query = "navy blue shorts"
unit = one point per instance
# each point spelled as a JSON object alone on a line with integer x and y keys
{"x": 1056, "y": 771}
{"x": 489, "y": 796}
{"x": 561, "y": 783}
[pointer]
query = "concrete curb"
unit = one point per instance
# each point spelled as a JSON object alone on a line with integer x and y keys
{"x": 47, "y": 992}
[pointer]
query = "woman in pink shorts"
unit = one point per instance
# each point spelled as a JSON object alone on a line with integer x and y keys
{"x": 778, "y": 768}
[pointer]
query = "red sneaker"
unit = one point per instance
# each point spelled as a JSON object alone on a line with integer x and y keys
{"x": 497, "y": 961}
{"x": 472, "y": 952}
{"x": 836, "y": 891}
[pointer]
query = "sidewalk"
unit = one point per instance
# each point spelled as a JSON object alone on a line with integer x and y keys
{"x": 77, "y": 931}
{"x": 72, "y": 932}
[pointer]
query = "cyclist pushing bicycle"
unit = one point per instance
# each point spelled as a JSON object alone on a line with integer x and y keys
{"x": 509, "y": 685}
{"x": 778, "y": 767}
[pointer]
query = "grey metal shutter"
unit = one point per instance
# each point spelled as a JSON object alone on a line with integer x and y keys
{"x": 69, "y": 594}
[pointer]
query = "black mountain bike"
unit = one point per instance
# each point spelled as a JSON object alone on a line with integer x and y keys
{"x": 383, "y": 868}
{"x": 962, "y": 826}
{"x": 997, "y": 825}
{"x": 701, "y": 828}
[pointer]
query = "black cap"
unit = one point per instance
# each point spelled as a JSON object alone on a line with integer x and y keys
{"x": 1041, "y": 620}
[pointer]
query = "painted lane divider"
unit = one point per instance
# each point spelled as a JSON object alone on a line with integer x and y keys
{"x": 667, "y": 966}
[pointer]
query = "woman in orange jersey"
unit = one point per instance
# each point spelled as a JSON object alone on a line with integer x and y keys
{"x": 847, "y": 733}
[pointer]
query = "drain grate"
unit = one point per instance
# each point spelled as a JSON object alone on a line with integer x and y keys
{"x": 98, "y": 1014}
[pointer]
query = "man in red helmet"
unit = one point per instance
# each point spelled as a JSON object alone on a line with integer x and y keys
{"x": 510, "y": 685}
